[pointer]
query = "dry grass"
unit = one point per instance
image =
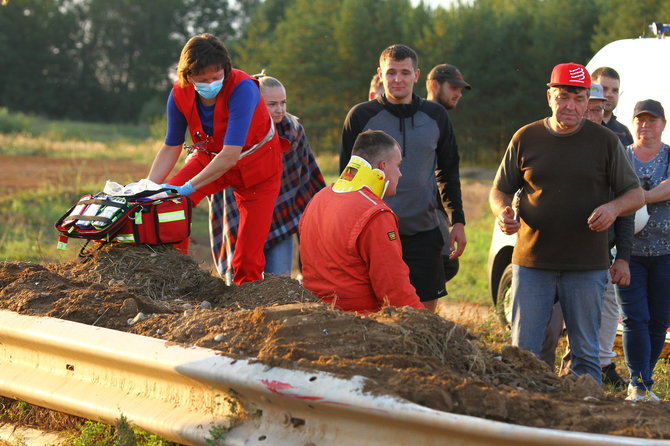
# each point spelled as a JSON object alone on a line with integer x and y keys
{"x": 486, "y": 326}
{"x": 27, "y": 415}
{"x": 157, "y": 272}
{"x": 47, "y": 145}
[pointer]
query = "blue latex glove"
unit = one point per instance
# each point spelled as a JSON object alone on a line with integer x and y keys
{"x": 186, "y": 189}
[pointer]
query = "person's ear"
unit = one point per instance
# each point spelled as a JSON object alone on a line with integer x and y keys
{"x": 434, "y": 85}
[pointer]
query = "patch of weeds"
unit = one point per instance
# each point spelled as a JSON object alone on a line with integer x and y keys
{"x": 92, "y": 433}
{"x": 233, "y": 399}
{"x": 97, "y": 433}
{"x": 491, "y": 332}
{"x": 14, "y": 411}
{"x": 662, "y": 379}
{"x": 124, "y": 435}
{"x": 217, "y": 434}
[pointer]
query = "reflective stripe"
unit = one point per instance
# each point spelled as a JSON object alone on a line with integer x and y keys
{"x": 138, "y": 218}
{"x": 125, "y": 238}
{"x": 62, "y": 242}
{"x": 167, "y": 217}
{"x": 268, "y": 137}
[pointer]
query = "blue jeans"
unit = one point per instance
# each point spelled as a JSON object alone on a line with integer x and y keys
{"x": 645, "y": 308}
{"x": 580, "y": 294}
{"x": 279, "y": 258}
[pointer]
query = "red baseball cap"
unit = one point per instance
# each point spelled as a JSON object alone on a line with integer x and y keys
{"x": 570, "y": 74}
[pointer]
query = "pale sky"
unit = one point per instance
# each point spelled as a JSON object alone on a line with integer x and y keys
{"x": 434, "y": 3}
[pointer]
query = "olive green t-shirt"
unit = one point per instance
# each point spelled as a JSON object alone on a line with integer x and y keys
{"x": 563, "y": 178}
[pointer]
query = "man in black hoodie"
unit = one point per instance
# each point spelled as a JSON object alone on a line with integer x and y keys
{"x": 426, "y": 138}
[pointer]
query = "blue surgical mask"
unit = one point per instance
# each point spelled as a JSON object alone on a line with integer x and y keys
{"x": 208, "y": 90}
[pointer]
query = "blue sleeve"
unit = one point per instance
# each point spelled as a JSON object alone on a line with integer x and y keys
{"x": 242, "y": 104}
{"x": 176, "y": 123}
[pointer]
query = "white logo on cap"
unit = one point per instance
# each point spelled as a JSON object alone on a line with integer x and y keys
{"x": 577, "y": 74}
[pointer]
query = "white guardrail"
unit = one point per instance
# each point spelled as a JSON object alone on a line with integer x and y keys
{"x": 193, "y": 395}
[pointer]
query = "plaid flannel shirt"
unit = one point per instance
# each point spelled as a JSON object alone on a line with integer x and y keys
{"x": 301, "y": 179}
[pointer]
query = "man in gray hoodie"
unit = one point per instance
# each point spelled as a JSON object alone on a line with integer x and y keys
{"x": 426, "y": 138}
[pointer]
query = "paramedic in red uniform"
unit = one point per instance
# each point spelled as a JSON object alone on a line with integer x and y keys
{"x": 349, "y": 245}
{"x": 235, "y": 145}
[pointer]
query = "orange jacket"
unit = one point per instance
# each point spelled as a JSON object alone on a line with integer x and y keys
{"x": 351, "y": 254}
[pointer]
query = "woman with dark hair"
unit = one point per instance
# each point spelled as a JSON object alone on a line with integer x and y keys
{"x": 301, "y": 179}
{"x": 234, "y": 142}
{"x": 645, "y": 303}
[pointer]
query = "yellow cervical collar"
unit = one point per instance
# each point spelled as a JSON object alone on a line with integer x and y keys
{"x": 358, "y": 174}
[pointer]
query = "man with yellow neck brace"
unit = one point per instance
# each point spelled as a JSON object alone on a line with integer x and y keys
{"x": 349, "y": 245}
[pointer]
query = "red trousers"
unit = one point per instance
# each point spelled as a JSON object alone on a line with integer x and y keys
{"x": 256, "y": 192}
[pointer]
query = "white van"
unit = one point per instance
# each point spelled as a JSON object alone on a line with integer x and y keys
{"x": 644, "y": 66}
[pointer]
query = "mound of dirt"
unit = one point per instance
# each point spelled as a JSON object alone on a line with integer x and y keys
{"x": 413, "y": 354}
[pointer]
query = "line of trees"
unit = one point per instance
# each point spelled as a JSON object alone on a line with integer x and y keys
{"x": 113, "y": 61}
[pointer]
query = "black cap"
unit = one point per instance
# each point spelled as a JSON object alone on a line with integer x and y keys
{"x": 449, "y": 73}
{"x": 649, "y": 106}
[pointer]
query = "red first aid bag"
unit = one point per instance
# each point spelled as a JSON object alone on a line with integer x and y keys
{"x": 134, "y": 220}
{"x": 167, "y": 220}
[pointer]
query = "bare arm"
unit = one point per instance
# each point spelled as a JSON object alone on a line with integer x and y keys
{"x": 165, "y": 160}
{"x": 501, "y": 206}
{"x": 457, "y": 240}
{"x": 603, "y": 216}
{"x": 659, "y": 193}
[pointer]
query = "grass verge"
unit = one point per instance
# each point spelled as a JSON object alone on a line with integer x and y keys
{"x": 470, "y": 284}
{"x": 76, "y": 431}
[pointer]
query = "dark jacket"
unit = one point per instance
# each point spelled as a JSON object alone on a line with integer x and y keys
{"x": 426, "y": 138}
{"x": 620, "y": 130}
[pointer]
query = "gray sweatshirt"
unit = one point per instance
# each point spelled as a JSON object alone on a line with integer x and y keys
{"x": 426, "y": 138}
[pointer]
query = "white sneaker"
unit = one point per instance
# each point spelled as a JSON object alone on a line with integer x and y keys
{"x": 652, "y": 397}
{"x": 635, "y": 394}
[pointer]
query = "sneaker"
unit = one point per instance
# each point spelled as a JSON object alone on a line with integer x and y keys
{"x": 652, "y": 397}
{"x": 635, "y": 394}
{"x": 612, "y": 378}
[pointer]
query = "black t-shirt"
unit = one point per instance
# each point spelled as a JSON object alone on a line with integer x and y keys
{"x": 563, "y": 178}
